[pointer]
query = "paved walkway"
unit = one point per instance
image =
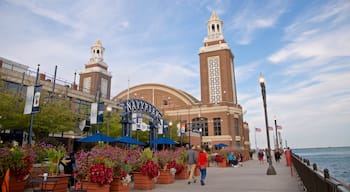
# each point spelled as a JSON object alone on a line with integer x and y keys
{"x": 249, "y": 178}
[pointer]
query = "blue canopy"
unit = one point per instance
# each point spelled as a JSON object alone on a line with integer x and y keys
{"x": 164, "y": 140}
{"x": 128, "y": 140}
{"x": 221, "y": 145}
{"x": 96, "y": 138}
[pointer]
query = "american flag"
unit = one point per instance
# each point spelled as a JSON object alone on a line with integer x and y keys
{"x": 270, "y": 129}
{"x": 257, "y": 129}
{"x": 279, "y": 127}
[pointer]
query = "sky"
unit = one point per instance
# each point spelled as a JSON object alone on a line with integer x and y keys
{"x": 302, "y": 48}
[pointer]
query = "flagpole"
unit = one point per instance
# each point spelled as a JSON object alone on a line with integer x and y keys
{"x": 256, "y": 146}
{"x": 32, "y": 114}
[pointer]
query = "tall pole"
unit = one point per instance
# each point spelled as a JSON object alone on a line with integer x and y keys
{"x": 256, "y": 146}
{"x": 32, "y": 114}
{"x": 276, "y": 133}
{"x": 270, "y": 170}
{"x": 189, "y": 127}
{"x": 109, "y": 109}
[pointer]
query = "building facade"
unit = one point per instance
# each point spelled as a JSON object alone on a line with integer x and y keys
{"x": 217, "y": 117}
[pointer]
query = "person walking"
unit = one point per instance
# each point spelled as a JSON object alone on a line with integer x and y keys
{"x": 202, "y": 163}
{"x": 231, "y": 158}
{"x": 191, "y": 158}
{"x": 261, "y": 156}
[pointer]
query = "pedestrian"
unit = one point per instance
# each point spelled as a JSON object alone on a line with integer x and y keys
{"x": 277, "y": 156}
{"x": 261, "y": 156}
{"x": 202, "y": 163}
{"x": 231, "y": 159}
{"x": 191, "y": 158}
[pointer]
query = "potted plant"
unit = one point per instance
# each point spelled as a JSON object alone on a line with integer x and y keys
{"x": 54, "y": 155}
{"x": 16, "y": 163}
{"x": 95, "y": 169}
{"x": 121, "y": 170}
{"x": 181, "y": 163}
{"x": 167, "y": 165}
{"x": 145, "y": 170}
{"x": 222, "y": 157}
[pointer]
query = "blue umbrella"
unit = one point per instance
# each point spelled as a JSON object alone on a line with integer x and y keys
{"x": 128, "y": 140}
{"x": 164, "y": 140}
{"x": 221, "y": 145}
{"x": 96, "y": 138}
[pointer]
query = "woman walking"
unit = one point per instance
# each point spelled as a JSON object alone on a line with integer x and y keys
{"x": 202, "y": 163}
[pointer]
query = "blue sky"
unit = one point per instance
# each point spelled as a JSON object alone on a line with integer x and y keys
{"x": 301, "y": 47}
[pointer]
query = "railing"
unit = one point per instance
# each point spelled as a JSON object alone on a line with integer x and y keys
{"x": 316, "y": 180}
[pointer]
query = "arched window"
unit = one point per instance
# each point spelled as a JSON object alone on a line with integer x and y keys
{"x": 218, "y": 27}
{"x": 213, "y": 28}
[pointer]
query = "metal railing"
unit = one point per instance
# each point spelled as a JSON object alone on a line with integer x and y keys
{"x": 316, "y": 180}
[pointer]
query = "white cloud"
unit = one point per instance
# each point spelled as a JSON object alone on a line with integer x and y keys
{"x": 252, "y": 16}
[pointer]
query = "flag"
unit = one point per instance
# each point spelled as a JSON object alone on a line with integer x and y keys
{"x": 270, "y": 129}
{"x": 29, "y": 100}
{"x": 36, "y": 99}
{"x": 258, "y": 129}
{"x": 93, "y": 114}
{"x": 100, "y": 109}
{"x": 279, "y": 127}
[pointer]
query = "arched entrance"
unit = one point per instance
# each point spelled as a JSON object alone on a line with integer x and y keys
{"x": 132, "y": 108}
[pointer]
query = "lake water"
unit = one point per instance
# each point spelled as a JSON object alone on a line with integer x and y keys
{"x": 335, "y": 159}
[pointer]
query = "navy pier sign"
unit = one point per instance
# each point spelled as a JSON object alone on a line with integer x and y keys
{"x": 138, "y": 105}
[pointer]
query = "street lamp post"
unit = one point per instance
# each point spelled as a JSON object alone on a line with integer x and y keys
{"x": 200, "y": 132}
{"x": 270, "y": 170}
{"x": 277, "y": 147}
{"x": 109, "y": 109}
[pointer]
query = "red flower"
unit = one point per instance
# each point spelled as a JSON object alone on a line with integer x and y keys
{"x": 100, "y": 173}
{"x": 150, "y": 168}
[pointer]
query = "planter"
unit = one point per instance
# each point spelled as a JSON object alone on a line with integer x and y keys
{"x": 11, "y": 183}
{"x": 118, "y": 186}
{"x": 60, "y": 185}
{"x": 165, "y": 177}
{"x": 143, "y": 182}
{"x": 15, "y": 185}
{"x": 222, "y": 164}
{"x": 182, "y": 175}
{"x": 95, "y": 187}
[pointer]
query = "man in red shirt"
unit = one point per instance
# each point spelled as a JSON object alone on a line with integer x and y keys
{"x": 202, "y": 163}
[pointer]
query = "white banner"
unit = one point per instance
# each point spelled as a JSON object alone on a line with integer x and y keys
{"x": 93, "y": 115}
{"x": 29, "y": 100}
{"x": 144, "y": 127}
{"x": 160, "y": 127}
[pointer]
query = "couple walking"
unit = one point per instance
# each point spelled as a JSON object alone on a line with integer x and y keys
{"x": 200, "y": 160}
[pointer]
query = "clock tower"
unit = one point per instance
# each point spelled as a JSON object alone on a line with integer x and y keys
{"x": 218, "y": 84}
{"x": 95, "y": 78}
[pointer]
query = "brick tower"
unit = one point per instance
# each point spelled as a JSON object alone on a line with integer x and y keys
{"x": 218, "y": 84}
{"x": 95, "y": 78}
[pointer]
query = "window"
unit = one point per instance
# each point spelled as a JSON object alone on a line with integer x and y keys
{"x": 214, "y": 79}
{"x": 87, "y": 85}
{"x": 236, "y": 126}
{"x": 104, "y": 87}
{"x": 217, "y": 126}
{"x": 200, "y": 123}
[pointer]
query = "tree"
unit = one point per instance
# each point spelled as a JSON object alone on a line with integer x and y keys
{"x": 11, "y": 111}
{"x": 56, "y": 115}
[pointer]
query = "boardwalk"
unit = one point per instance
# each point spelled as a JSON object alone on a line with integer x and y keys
{"x": 249, "y": 178}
